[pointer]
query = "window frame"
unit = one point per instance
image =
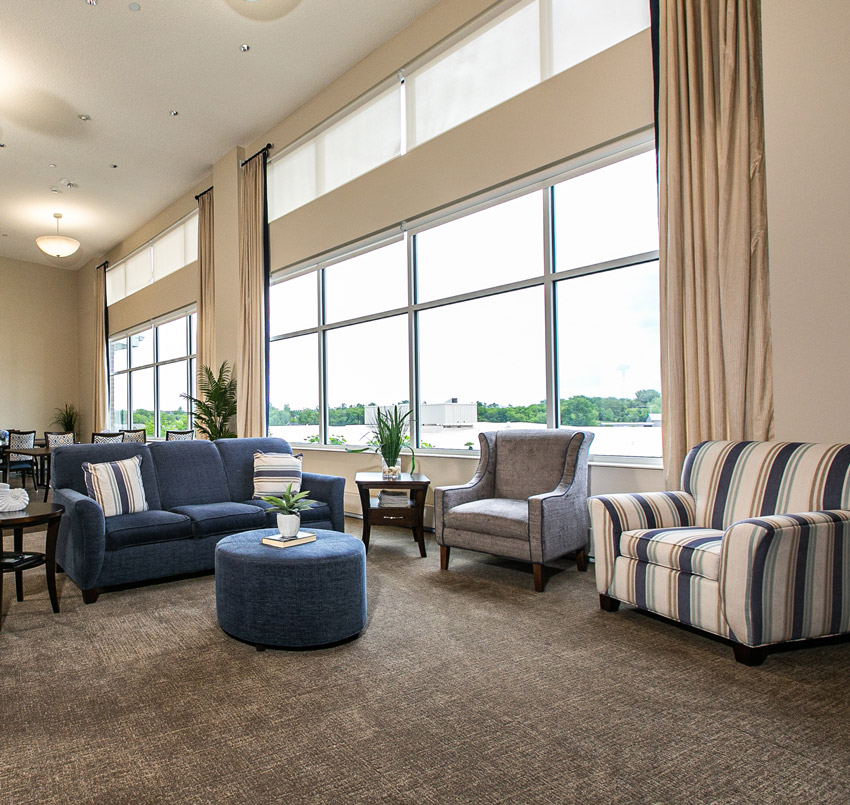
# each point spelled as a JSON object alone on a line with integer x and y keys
{"x": 639, "y": 143}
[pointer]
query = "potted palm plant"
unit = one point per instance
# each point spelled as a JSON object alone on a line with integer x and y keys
{"x": 213, "y": 413}
{"x": 67, "y": 417}
{"x": 289, "y": 507}
{"x": 389, "y": 438}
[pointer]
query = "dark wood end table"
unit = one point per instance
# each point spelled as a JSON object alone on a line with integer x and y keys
{"x": 410, "y": 516}
{"x": 17, "y": 561}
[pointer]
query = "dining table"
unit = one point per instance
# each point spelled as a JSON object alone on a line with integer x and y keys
{"x": 42, "y": 454}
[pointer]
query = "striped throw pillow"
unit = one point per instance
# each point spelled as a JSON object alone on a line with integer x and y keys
{"x": 274, "y": 472}
{"x": 117, "y": 486}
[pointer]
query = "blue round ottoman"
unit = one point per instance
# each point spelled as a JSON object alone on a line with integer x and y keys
{"x": 305, "y": 596}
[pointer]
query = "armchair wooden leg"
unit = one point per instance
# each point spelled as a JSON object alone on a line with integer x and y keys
{"x": 539, "y": 578}
{"x": 445, "y": 551}
{"x": 90, "y": 596}
{"x": 749, "y": 655}
{"x": 581, "y": 560}
{"x": 607, "y": 603}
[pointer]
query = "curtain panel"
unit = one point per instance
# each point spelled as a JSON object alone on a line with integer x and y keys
{"x": 100, "y": 396}
{"x": 717, "y": 376}
{"x": 253, "y": 332}
{"x": 206, "y": 290}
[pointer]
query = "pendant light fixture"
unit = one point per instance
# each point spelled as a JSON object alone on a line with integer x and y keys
{"x": 57, "y": 245}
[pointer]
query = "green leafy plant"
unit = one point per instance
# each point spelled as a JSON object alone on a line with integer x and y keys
{"x": 389, "y": 437}
{"x": 289, "y": 502}
{"x": 67, "y": 417}
{"x": 218, "y": 406}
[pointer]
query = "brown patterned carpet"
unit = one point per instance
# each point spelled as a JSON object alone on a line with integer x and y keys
{"x": 464, "y": 687}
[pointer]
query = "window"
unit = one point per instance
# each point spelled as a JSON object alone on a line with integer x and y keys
{"x": 508, "y": 50}
{"x": 165, "y": 254}
{"x": 150, "y": 368}
{"x": 537, "y": 310}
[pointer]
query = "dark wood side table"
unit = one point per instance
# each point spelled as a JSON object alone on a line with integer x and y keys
{"x": 17, "y": 561}
{"x": 410, "y": 516}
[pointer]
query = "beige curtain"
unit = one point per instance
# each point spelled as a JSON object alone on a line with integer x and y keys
{"x": 251, "y": 403}
{"x": 100, "y": 395}
{"x": 206, "y": 290}
{"x": 717, "y": 376}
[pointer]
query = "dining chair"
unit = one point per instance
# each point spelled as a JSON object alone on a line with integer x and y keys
{"x": 136, "y": 435}
{"x": 53, "y": 438}
{"x": 16, "y": 462}
{"x": 179, "y": 435}
{"x": 104, "y": 436}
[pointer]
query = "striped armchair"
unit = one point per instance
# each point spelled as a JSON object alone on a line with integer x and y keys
{"x": 756, "y": 548}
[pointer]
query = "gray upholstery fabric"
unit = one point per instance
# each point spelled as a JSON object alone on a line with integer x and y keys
{"x": 544, "y": 469}
{"x": 501, "y": 517}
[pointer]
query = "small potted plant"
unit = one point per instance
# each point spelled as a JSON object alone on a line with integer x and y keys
{"x": 68, "y": 418}
{"x": 289, "y": 507}
{"x": 389, "y": 438}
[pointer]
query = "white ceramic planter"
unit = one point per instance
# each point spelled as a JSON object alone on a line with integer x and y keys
{"x": 288, "y": 524}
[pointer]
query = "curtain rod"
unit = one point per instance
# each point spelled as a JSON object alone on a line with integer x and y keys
{"x": 104, "y": 264}
{"x": 266, "y": 147}
{"x": 203, "y": 193}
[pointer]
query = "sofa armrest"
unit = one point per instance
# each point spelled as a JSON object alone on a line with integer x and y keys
{"x": 81, "y": 543}
{"x": 785, "y": 577}
{"x": 328, "y": 489}
{"x": 611, "y": 515}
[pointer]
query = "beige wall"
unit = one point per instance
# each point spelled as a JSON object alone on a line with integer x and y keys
{"x": 807, "y": 120}
{"x": 38, "y": 328}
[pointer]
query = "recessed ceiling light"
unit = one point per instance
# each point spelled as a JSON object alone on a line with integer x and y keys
{"x": 2, "y": 145}
{"x": 84, "y": 118}
{"x": 174, "y": 113}
{"x": 134, "y": 6}
{"x": 244, "y": 48}
{"x": 52, "y": 165}
{"x": 113, "y": 166}
{"x": 55, "y": 189}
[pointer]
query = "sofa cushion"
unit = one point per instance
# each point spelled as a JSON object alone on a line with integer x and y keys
{"x": 116, "y": 486}
{"x": 692, "y": 550}
{"x": 222, "y": 518}
{"x": 237, "y": 456}
{"x": 189, "y": 473}
{"x": 274, "y": 473}
{"x": 68, "y": 459}
{"x": 501, "y": 517}
{"x": 143, "y": 528}
{"x": 316, "y": 513}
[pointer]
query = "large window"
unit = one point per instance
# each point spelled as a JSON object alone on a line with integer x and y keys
{"x": 150, "y": 367}
{"x": 159, "y": 257}
{"x": 505, "y": 51}
{"x": 538, "y": 310}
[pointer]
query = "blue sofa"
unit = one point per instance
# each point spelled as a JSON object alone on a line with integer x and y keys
{"x": 197, "y": 492}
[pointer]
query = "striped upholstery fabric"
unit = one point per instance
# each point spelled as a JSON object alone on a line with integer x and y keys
{"x": 274, "y": 472}
{"x": 756, "y": 548}
{"x": 116, "y": 486}
{"x": 25, "y": 440}
{"x": 694, "y": 550}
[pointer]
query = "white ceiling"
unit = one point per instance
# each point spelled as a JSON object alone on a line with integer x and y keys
{"x": 127, "y": 70}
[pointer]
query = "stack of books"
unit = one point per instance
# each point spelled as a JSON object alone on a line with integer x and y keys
{"x": 393, "y": 499}
{"x": 279, "y": 541}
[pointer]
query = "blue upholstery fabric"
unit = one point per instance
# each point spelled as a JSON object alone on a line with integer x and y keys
{"x": 189, "y": 473}
{"x": 306, "y": 595}
{"x": 221, "y": 518}
{"x": 238, "y": 458}
{"x": 67, "y": 466}
{"x": 144, "y": 527}
{"x": 318, "y": 514}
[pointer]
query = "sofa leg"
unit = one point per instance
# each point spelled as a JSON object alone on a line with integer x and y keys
{"x": 90, "y": 596}
{"x": 749, "y": 655}
{"x": 581, "y": 560}
{"x": 445, "y": 551}
{"x": 539, "y": 578}
{"x": 607, "y": 603}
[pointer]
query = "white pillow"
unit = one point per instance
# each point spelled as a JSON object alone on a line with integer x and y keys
{"x": 117, "y": 486}
{"x": 274, "y": 472}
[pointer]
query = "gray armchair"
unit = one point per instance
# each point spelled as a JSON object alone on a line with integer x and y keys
{"x": 527, "y": 500}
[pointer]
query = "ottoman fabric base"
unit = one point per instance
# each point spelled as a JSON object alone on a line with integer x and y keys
{"x": 304, "y": 596}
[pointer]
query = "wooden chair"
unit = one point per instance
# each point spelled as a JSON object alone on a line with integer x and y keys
{"x": 179, "y": 435}
{"x": 136, "y": 435}
{"x": 53, "y": 438}
{"x": 104, "y": 436}
{"x": 15, "y": 462}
